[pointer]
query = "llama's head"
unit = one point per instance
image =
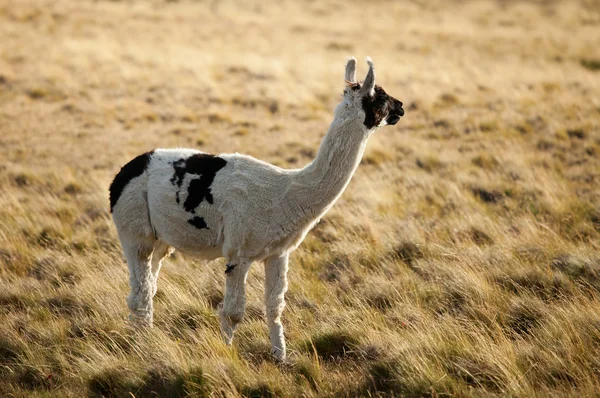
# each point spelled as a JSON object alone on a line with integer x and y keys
{"x": 368, "y": 99}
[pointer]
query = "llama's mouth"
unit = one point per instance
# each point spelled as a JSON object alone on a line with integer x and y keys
{"x": 396, "y": 114}
{"x": 393, "y": 119}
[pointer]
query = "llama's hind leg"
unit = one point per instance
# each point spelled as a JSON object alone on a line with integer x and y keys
{"x": 161, "y": 250}
{"x": 232, "y": 308}
{"x": 275, "y": 287}
{"x": 138, "y": 253}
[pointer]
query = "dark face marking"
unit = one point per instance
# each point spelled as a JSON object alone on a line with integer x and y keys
{"x": 133, "y": 169}
{"x": 380, "y": 106}
{"x": 204, "y": 165}
{"x": 198, "y": 222}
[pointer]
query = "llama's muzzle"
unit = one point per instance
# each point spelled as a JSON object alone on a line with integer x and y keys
{"x": 396, "y": 113}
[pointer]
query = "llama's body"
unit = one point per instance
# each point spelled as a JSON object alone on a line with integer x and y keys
{"x": 158, "y": 204}
{"x": 237, "y": 207}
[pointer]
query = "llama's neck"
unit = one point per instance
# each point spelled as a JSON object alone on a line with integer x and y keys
{"x": 318, "y": 185}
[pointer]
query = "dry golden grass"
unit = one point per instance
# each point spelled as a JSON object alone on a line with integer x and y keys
{"x": 461, "y": 261}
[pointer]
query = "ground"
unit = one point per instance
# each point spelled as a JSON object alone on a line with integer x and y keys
{"x": 462, "y": 260}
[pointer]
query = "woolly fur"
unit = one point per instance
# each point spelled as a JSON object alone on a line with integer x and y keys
{"x": 244, "y": 209}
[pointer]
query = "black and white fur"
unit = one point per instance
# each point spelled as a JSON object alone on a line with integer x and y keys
{"x": 238, "y": 207}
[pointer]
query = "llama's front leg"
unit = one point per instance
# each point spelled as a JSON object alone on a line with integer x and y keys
{"x": 233, "y": 306}
{"x": 275, "y": 287}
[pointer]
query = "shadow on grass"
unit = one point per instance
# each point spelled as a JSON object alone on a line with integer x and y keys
{"x": 159, "y": 381}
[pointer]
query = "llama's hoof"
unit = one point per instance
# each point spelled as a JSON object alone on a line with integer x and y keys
{"x": 140, "y": 321}
{"x": 227, "y": 337}
{"x": 279, "y": 355}
{"x": 227, "y": 331}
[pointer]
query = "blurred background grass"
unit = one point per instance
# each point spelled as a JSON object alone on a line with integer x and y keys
{"x": 462, "y": 260}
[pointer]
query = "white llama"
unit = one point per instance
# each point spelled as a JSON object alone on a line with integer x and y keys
{"x": 238, "y": 207}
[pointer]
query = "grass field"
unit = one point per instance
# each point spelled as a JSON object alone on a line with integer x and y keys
{"x": 463, "y": 259}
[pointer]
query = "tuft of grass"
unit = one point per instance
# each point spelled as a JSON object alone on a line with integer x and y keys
{"x": 408, "y": 252}
{"x": 429, "y": 163}
{"x": 579, "y": 270}
{"x": 66, "y": 304}
{"x": 476, "y": 372}
{"x": 115, "y": 381}
{"x": 332, "y": 345}
{"x": 163, "y": 381}
{"x": 10, "y": 349}
{"x": 151, "y": 117}
{"x": 197, "y": 384}
{"x": 479, "y": 237}
{"x": 25, "y": 179}
{"x": 194, "y": 318}
{"x": 37, "y": 93}
{"x": 523, "y": 317}
{"x": 376, "y": 157}
{"x": 308, "y": 370}
{"x": 113, "y": 338}
{"x": 485, "y": 161}
{"x": 13, "y": 302}
{"x": 383, "y": 377}
{"x": 486, "y": 195}
{"x": 545, "y": 145}
{"x": 241, "y": 131}
{"x": 216, "y": 118}
{"x": 380, "y": 300}
{"x": 489, "y": 126}
{"x": 576, "y": 133}
{"x": 73, "y": 188}
{"x": 541, "y": 284}
{"x": 449, "y": 99}
{"x": 590, "y": 64}
{"x": 50, "y": 237}
{"x": 594, "y": 216}
{"x": 32, "y": 378}
{"x": 214, "y": 297}
{"x": 396, "y": 377}
{"x": 159, "y": 380}
{"x": 260, "y": 390}
{"x": 338, "y": 46}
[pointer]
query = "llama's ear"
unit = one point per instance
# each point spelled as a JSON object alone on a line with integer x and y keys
{"x": 369, "y": 83}
{"x": 351, "y": 71}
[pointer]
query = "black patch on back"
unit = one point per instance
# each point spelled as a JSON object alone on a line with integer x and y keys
{"x": 198, "y": 190}
{"x": 198, "y": 222}
{"x": 177, "y": 178}
{"x": 133, "y": 169}
{"x": 376, "y": 107}
{"x": 203, "y": 165}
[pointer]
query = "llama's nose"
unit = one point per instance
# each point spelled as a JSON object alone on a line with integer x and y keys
{"x": 399, "y": 108}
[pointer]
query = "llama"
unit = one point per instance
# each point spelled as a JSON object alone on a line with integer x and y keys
{"x": 240, "y": 208}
